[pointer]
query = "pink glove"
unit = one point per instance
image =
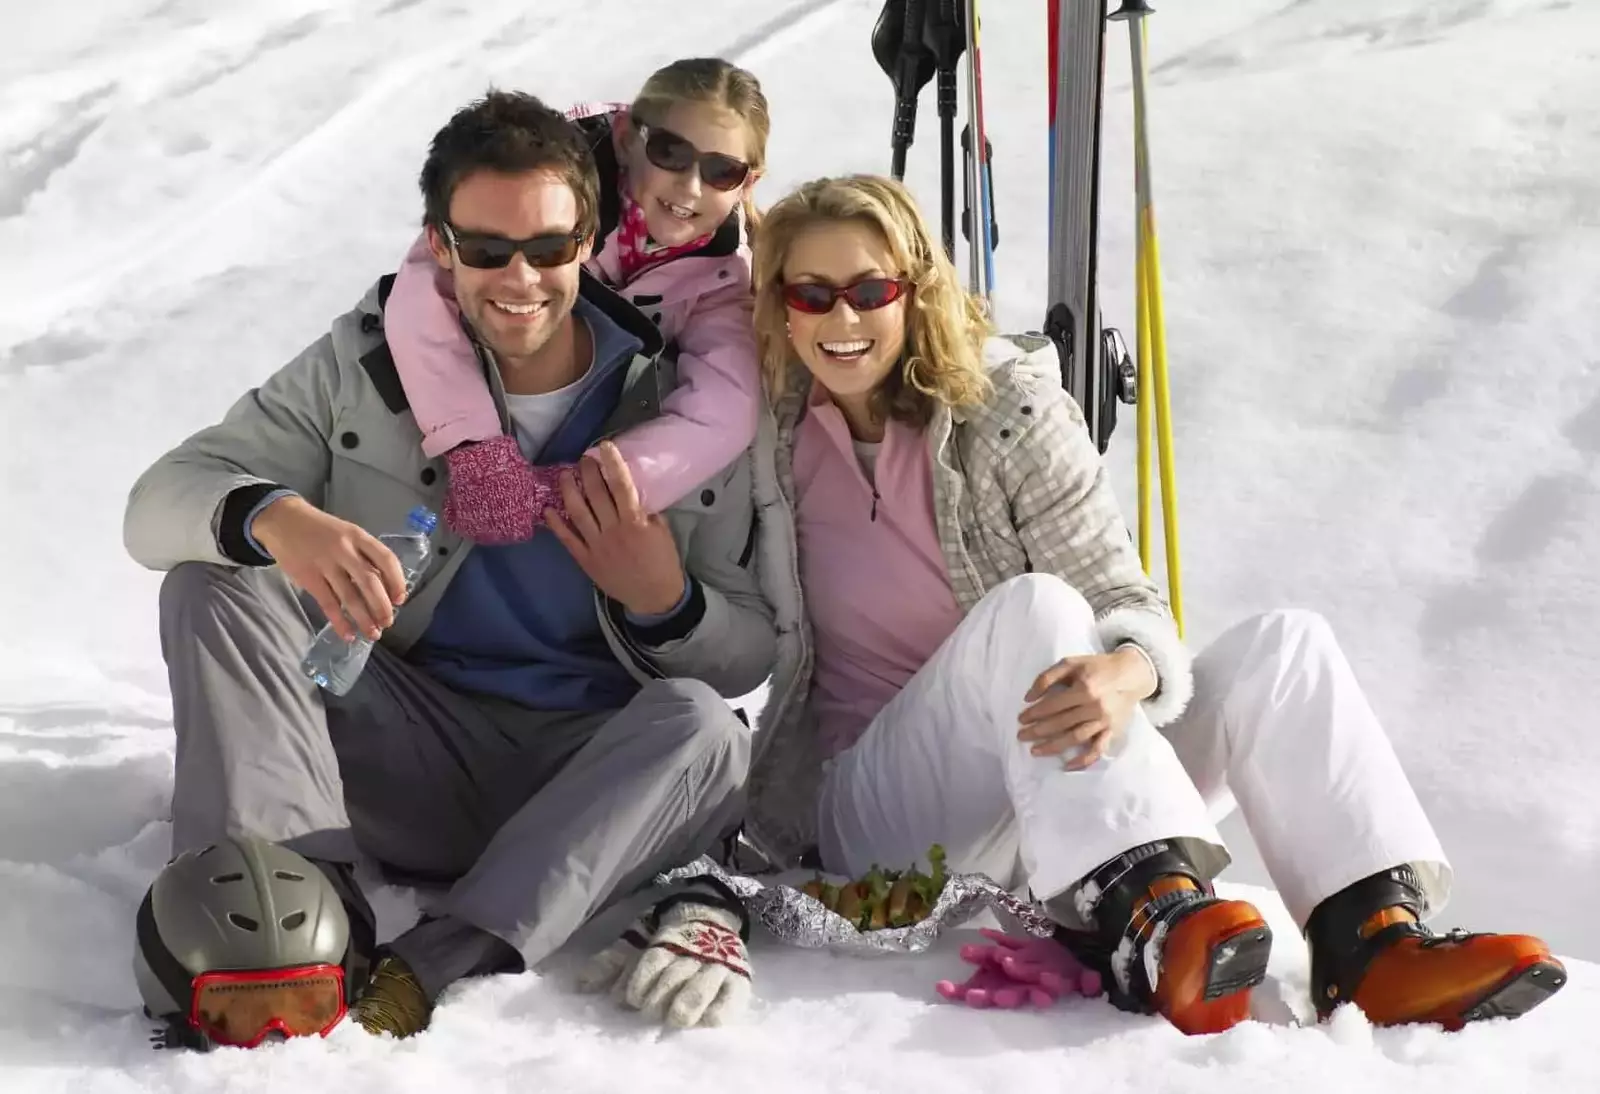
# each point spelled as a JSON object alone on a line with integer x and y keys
{"x": 495, "y": 496}
{"x": 1019, "y": 970}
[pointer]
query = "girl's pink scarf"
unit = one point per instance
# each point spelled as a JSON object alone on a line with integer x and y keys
{"x": 635, "y": 254}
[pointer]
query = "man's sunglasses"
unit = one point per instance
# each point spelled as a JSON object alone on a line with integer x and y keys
{"x": 483, "y": 251}
{"x": 868, "y": 294}
{"x": 670, "y": 152}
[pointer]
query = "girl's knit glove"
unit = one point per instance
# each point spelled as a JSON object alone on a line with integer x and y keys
{"x": 495, "y": 496}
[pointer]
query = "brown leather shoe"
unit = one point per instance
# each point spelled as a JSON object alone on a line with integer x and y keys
{"x": 1399, "y": 972}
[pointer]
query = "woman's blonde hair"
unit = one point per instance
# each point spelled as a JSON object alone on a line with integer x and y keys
{"x": 719, "y": 83}
{"x": 945, "y": 325}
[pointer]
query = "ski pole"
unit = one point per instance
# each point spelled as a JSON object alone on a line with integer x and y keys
{"x": 973, "y": 143}
{"x": 1144, "y": 443}
{"x": 984, "y": 149}
{"x": 947, "y": 43}
{"x": 1152, "y": 322}
{"x": 909, "y": 82}
{"x": 1145, "y": 392}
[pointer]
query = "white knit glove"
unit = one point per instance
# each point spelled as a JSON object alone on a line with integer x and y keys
{"x": 692, "y": 970}
{"x": 609, "y": 968}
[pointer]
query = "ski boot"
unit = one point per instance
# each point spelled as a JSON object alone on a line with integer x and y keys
{"x": 1165, "y": 943}
{"x": 1369, "y": 947}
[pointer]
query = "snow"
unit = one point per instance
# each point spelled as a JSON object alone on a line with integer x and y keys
{"x": 1379, "y": 230}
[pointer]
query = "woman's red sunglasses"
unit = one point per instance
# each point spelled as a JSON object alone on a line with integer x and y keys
{"x": 867, "y": 294}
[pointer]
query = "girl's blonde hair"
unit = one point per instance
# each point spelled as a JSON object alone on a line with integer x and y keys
{"x": 945, "y": 325}
{"x": 719, "y": 83}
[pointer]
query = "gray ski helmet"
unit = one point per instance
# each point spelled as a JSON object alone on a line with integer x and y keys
{"x": 243, "y": 904}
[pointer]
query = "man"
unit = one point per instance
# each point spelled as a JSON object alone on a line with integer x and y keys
{"x": 541, "y": 726}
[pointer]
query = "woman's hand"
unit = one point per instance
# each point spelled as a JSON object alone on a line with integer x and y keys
{"x": 1083, "y": 702}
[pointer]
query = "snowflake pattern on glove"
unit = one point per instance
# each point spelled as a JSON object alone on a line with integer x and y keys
{"x": 713, "y": 942}
{"x": 708, "y": 942}
{"x": 695, "y": 970}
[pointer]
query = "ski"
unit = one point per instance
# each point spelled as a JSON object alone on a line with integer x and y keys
{"x": 913, "y": 41}
{"x": 979, "y": 170}
{"x": 1095, "y": 367}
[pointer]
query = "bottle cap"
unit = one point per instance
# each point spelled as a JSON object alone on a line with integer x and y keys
{"x": 423, "y": 519}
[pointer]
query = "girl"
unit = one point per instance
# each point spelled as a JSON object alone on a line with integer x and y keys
{"x": 677, "y": 168}
{"x": 981, "y": 662}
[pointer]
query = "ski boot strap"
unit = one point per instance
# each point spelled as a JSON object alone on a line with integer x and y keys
{"x": 1340, "y": 953}
{"x": 1126, "y": 924}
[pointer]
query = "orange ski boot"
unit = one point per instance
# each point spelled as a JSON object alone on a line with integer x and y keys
{"x": 1166, "y": 944}
{"x": 1369, "y": 947}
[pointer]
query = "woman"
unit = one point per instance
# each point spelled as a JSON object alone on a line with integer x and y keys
{"x": 981, "y": 662}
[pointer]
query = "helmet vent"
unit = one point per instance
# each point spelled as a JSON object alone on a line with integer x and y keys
{"x": 292, "y": 920}
{"x": 223, "y": 879}
{"x": 243, "y": 922}
{"x": 288, "y": 875}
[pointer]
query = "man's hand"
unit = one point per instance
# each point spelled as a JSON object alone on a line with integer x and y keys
{"x": 1083, "y": 702}
{"x": 345, "y": 568}
{"x": 629, "y": 555}
{"x": 691, "y": 970}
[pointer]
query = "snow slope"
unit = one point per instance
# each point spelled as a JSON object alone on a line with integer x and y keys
{"x": 1379, "y": 233}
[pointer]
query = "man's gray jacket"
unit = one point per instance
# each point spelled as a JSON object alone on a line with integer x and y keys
{"x": 335, "y": 426}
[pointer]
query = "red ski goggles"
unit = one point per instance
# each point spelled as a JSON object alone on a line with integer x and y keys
{"x": 670, "y": 152}
{"x": 868, "y": 294}
{"x": 241, "y": 1008}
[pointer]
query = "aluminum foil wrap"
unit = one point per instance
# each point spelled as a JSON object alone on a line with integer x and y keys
{"x": 776, "y": 902}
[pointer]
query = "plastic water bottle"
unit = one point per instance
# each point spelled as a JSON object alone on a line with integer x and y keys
{"x": 336, "y": 664}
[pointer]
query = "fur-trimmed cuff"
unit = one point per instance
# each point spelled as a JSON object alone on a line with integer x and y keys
{"x": 1158, "y": 638}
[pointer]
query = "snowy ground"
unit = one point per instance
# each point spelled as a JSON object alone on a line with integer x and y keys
{"x": 1379, "y": 231}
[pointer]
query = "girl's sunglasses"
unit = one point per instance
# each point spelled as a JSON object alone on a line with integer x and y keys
{"x": 483, "y": 251}
{"x": 670, "y": 152}
{"x": 868, "y": 294}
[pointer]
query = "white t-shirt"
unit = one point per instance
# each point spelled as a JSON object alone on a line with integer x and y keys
{"x": 537, "y": 417}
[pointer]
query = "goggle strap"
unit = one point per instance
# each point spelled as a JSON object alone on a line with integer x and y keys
{"x": 172, "y": 975}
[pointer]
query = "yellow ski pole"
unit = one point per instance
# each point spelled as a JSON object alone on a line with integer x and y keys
{"x": 1152, "y": 324}
{"x": 1143, "y": 393}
